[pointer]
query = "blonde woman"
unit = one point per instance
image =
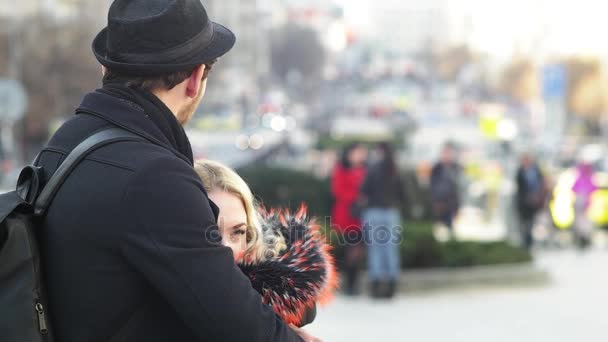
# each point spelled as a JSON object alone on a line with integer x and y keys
{"x": 284, "y": 255}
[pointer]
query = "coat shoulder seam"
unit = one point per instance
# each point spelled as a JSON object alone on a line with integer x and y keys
{"x": 111, "y": 163}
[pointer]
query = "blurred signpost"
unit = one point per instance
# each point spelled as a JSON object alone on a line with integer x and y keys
{"x": 555, "y": 78}
{"x": 13, "y": 103}
{"x": 555, "y": 91}
{"x": 13, "y": 100}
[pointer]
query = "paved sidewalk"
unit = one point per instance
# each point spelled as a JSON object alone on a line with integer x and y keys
{"x": 572, "y": 308}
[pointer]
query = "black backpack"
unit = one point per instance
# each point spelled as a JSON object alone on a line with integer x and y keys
{"x": 23, "y": 306}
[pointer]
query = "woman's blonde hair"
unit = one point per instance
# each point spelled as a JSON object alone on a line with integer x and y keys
{"x": 217, "y": 176}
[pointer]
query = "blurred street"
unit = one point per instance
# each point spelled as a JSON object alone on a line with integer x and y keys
{"x": 571, "y": 308}
{"x": 479, "y": 147}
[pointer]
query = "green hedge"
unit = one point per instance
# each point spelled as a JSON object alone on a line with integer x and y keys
{"x": 420, "y": 250}
{"x": 286, "y": 188}
{"x": 327, "y": 142}
{"x": 463, "y": 253}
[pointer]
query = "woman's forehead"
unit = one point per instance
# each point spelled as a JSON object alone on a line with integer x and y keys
{"x": 232, "y": 210}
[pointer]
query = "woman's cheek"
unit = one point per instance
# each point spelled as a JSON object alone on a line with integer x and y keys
{"x": 238, "y": 255}
{"x": 236, "y": 250}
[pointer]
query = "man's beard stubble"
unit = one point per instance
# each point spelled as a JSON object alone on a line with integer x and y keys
{"x": 184, "y": 115}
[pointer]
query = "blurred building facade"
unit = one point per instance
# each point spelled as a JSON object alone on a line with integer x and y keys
{"x": 242, "y": 69}
{"x": 242, "y": 18}
{"x": 406, "y": 26}
{"x": 57, "y": 9}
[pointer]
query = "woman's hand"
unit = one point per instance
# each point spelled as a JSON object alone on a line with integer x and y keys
{"x": 304, "y": 335}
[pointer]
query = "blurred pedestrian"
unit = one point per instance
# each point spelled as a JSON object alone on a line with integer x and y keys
{"x": 583, "y": 187}
{"x": 383, "y": 195}
{"x": 346, "y": 182}
{"x": 445, "y": 187}
{"x": 3, "y": 160}
{"x": 531, "y": 196}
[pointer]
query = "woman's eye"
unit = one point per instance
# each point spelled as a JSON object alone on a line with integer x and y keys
{"x": 237, "y": 233}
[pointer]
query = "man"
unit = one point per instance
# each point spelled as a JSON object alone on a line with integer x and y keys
{"x": 530, "y": 197}
{"x": 130, "y": 243}
{"x": 4, "y": 169}
{"x": 445, "y": 189}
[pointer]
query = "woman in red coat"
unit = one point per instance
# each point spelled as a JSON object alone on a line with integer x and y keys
{"x": 346, "y": 182}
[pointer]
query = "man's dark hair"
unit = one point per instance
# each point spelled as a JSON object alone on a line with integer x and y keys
{"x": 389, "y": 165}
{"x": 166, "y": 81}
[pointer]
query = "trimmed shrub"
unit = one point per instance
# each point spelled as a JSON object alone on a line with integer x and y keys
{"x": 286, "y": 188}
{"x": 420, "y": 250}
{"x": 327, "y": 142}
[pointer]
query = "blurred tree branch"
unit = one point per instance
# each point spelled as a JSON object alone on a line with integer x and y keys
{"x": 588, "y": 95}
{"x": 298, "y": 56}
{"x": 520, "y": 81}
{"x": 453, "y": 60}
{"x": 56, "y": 67}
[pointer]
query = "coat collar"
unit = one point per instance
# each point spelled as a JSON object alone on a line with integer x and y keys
{"x": 127, "y": 115}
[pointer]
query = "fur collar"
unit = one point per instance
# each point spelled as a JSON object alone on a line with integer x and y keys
{"x": 302, "y": 274}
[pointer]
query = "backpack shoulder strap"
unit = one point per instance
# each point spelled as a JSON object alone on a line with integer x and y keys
{"x": 8, "y": 203}
{"x": 92, "y": 143}
{"x": 27, "y": 188}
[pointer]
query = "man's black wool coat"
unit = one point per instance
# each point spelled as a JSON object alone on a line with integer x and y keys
{"x": 132, "y": 231}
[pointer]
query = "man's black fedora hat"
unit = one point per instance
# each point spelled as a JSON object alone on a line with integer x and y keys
{"x": 154, "y": 37}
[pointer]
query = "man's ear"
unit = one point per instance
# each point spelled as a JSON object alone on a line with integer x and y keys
{"x": 103, "y": 70}
{"x": 195, "y": 82}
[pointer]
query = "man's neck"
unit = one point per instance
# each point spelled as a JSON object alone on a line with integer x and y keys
{"x": 168, "y": 100}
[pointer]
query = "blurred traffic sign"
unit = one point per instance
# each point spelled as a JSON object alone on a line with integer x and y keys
{"x": 555, "y": 92}
{"x": 13, "y": 100}
{"x": 554, "y": 82}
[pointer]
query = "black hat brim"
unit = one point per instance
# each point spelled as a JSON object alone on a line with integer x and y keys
{"x": 222, "y": 41}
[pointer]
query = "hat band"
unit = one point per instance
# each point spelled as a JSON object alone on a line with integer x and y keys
{"x": 178, "y": 54}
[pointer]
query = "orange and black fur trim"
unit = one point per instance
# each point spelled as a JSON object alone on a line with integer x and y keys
{"x": 300, "y": 276}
